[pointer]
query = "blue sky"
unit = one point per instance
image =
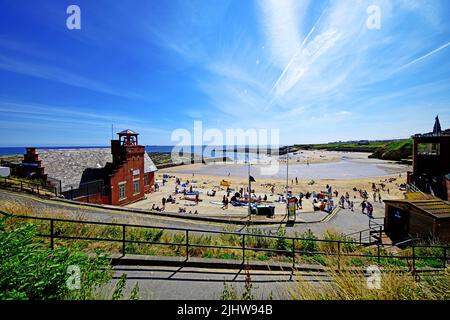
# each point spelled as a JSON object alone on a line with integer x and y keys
{"x": 311, "y": 69}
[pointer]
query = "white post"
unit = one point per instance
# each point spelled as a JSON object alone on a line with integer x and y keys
{"x": 249, "y": 191}
{"x": 287, "y": 170}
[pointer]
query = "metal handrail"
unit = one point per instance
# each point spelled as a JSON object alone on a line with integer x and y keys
{"x": 292, "y": 251}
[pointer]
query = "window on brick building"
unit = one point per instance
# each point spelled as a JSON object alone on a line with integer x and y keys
{"x": 146, "y": 181}
{"x": 122, "y": 191}
{"x": 136, "y": 186}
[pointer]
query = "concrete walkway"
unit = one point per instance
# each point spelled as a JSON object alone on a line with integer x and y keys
{"x": 173, "y": 283}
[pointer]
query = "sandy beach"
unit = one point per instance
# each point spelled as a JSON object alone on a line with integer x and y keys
{"x": 345, "y": 171}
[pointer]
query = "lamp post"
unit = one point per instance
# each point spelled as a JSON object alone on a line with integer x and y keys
{"x": 287, "y": 169}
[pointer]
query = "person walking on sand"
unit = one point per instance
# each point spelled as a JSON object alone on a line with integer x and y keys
{"x": 163, "y": 203}
{"x": 296, "y": 180}
{"x": 379, "y": 197}
{"x": 351, "y": 205}
{"x": 363, "y": 206}
{"x": 369, "y": 210}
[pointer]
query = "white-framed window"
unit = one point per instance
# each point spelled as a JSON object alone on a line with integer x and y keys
{"x": 122, "y": 190}
{"x": 136, "y": 186}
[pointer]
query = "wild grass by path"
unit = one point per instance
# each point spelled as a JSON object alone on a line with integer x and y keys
{"x": 173, "y": 243}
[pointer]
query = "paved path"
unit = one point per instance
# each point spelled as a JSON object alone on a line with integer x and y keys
{"x": 175, "y": 283}
{"x": 344, "y": 221}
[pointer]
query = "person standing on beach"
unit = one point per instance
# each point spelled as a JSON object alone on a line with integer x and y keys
{"x": 197, "y": 199}
{"x": 163, "y": 203}
{"x": 363, "y": 206}
{"x": 225, "y": 203}
{"x": 351, "y": 205}
{"x": 379, "y": 197}
{"x": 296, "y": 180}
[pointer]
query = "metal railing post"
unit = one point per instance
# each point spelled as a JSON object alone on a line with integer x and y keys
{"x": 378, "y": 252}
{"x": 360, "y": 238}
{"x": 52, "y": 244}
{"x": 445, "y": 258}
{"x": 339, "y": 255}
{"x": 187, "y": 244}
{"x": 243, "y": 248}
{"x": 380, "y": 235}
{"x": 293, "y": 253}
{"x": 123, "y": 239}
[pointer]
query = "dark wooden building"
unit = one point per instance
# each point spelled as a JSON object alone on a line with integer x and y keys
{"x": 118, "y": 175}
{"x": 431, "y": 162}
{"x": 425, "y": 217}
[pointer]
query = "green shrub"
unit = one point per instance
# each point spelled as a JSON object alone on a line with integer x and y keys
{"x": 259, "y": 240}
{"x": 30, "y": 270}
{"x": 308, "y": 242}
{"x": 281, "y": 243}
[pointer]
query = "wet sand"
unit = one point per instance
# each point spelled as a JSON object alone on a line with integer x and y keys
{"x": 321, "y": 165}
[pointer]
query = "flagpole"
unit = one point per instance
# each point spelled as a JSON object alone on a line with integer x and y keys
{"x": 287, "y": 180}
{"x": 249, "y": 191}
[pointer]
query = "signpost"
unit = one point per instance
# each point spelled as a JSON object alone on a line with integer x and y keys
{"x": 291, "y": 208}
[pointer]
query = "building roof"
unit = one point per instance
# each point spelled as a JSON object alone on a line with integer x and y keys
{"x": 127, "y": 131}
{"x": 149, "y": 166}
{"x": 445, "y": 133}
{"x": 69, "y": 165}
{"x": 435, "y": 207}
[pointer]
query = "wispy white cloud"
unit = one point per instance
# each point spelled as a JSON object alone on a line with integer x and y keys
{"x": 282, "y": 25}
{"x": 54, "y": 73}
{"x": 70, "y": 115}
{"x": 302, "y": 61}
{"x": 425, "y": 56}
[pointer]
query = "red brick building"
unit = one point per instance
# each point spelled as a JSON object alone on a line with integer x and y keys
{"x": 117, "y": 176}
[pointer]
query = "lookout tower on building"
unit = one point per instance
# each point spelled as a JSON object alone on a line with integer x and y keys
{"x": 128, "y": 138}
